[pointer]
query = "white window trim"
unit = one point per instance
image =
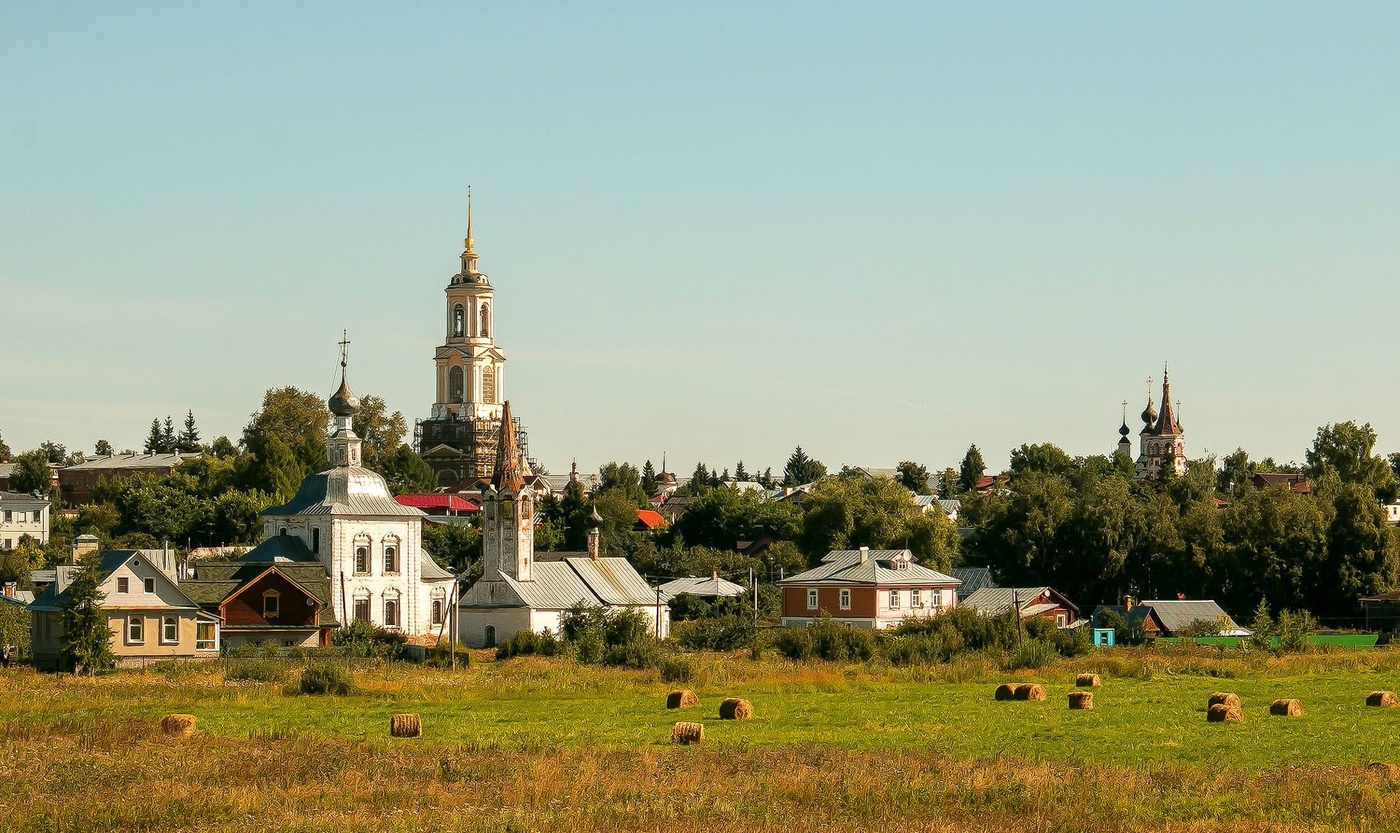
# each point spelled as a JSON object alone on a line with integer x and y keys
{"x": 916, "y": 598}
{"x": 164, "y": 640}
{"x": 894, "y": 599}
{"x": 812, "y": 599}
{"x": 213, "y": 643}
{"x": 140, "y": 623}
{"x": 845, "y": 598}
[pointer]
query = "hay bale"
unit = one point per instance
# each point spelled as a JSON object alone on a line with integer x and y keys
{"x": 1388, "y": 771}
{"x": 1006, "y": 691}
{"x": 1030, "y": 691}
{"x": 406, "y": 726}
{"x": 682, "y": 699}
{"x": 687, "y": 733}
{"x": 1223, "y": 698}
{"x": 1286, "y": 708}
{"x": 178, "y": 725}
{"x": 735, "y": 709}
{"x": 1383, "y": 699}
{"x": 1083, "y": 700}
{"x": 1224, "y": 713}
{"x": 1087, "y": 680}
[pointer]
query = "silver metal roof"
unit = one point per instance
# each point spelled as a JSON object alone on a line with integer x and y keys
{"x": 845, "y": 567}
{"x": 344, "y": 490}
{"x": 614, "y": 580}
{"x": 1179, "y": 614}
{"x": 131, "y": 461}
{"x": 707, "y": 586}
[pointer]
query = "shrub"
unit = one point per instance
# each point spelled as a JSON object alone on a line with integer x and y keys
{"x": 828, "y": 640}
{"x": 639, "y": 653}
{"x": 612, "y": 637}
{"x": 326, "y": 679}
{"x": 440, "y": 655}
{"x": 364, "y": 639}
{"x": 256, "y": 671}
{"x": 915, "y": 649}
{"x": 722, "y": 633}
{"x": 1032, "y": 653}
{"x": 1293, "y": 629}
{"x": 677, "y": 670}
{"x": 528, "y": 643}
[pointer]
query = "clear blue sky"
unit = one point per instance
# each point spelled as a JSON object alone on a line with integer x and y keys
{"x": 880, "y": 231}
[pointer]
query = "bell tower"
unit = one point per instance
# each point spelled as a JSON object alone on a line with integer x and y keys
{"x": 508, "y": 513}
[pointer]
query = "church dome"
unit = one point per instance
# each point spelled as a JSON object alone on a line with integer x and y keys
{"x": 344, "y": 490}
{"x": 1124, "y": 431}
{"x": 594, "y": 520}
{"x": 1149, "y": 414}
{"x": 344, "y": 402}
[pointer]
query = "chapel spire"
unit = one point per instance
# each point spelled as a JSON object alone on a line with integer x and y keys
{"x": 469, "y": 243}
{"x": 1167, "y": 423}
{"x": 511, "y": 469}
{"x": 343, "y": 446}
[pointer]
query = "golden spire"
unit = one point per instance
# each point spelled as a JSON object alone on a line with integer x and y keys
{"x": 469, "y": 242}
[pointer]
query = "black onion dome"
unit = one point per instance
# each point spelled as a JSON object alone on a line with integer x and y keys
{"x": 594, "y": 520}
{"x": 1124, "y": 431}
{"x": 344, "y": 402}
{"x": 1149, "y": 414}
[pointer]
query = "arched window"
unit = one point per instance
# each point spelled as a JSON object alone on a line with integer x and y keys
{"x": 283, "y": 533}
{"x": 271, "y": 604}
{"x": 455, "y": 385}
{"x": 362, "y": 554}
{"x": 437, "y": 612}
{"x": 485, "y": 321}
{"x": 391, "y": 555}
{"x": 488, "y": 384}
{"x": 458, "y": 321}
{"x": 169, "y": 630}
{"x": 135, "y": 630}
{"x": 391, "y": 613}
{"x": 490, "y": 636}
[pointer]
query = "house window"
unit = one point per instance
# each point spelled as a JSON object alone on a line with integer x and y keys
{"x": 36, "y": 516}
{"x": 811, "y": 599}
{"x": 391, "y": 558}
{"x": 362, "y": 610}
{"x": 362, "y": 560}
{"x": 437, "y": 611}
{"x": 915, "y": 598}
{"x": 149, "y": 585}
{"x": 315, "y": 540}
{"x": 485, "y": 317}
{"x": 169, "y": 630}
{"x": 894, "y": 598}
{"x": 1060, "y": 620}
{"x": 204, "y": 637}
{"x": 391, "y": 613}
{"x": 271, "y": 604}
{"x": 845, "y": 598}
{"x": 135, "y": 630}
{"x": 9, "y": 516}
{"x": 936, "y": 597}
{"x": 123, "y": 584}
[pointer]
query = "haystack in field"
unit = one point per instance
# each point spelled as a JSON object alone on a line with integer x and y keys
{"x": 1222, "y": 713}
{"x": 1083, "y": 700}
{"x": 1006, "y": 691}
{"x": 1383, "y": 699}
{"x": 1286, "y": 708}
{"x": 688, "y": 733}
{"x": 735, "y": 709}
{"x": 1087, "y": 681}
{"x": 1030, "y": 691}
{"x": 682, "y": 699}
{"x": 178, "y": 725}
{"x": 406, "y": 726}
{"x": 1223, "y": 698}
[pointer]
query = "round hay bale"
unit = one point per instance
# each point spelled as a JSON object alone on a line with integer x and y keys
{"x": 1383, "y": 699}
{"x": 1087, "y": 680}
{"x": 406, "y": 726}
{"x": 682, "y": 699}
{"x": 1006, "y": 691}
{"x": 1223, "y": 698}
{"x": 178, "y": 725}
{"x": 1286, "y": 708}
{"x": 1222, "y": 713}
{"x": 735, "y": 709}
{"x": 1030, "y": 691}
{"x": 1384, "y": 770}
{"x": 1083, "y": 700}
{"x": 687, "y": 733}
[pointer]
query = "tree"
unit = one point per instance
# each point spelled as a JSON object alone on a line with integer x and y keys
{"x": 87, "y": 638}
{"x": 1236, "y": 473}
{"x": 297, "y": 422}
{"x": 1046, "y": 458}
{"x": 948, "y": 483}
{"x": 1363, "y": 554}
{"x": 699, "y": 479}
{"x": 650, "y": 485}
{"x": 914, "y": 477}
{"x": 54, "y": 452}
{"x": 741, "y": 475}
{"x": 1346, "y": 450}
{"x": 154, "y": 440}
{"x": 102, "y": 449}
{"x": 274, "y": 469}
{"x": 31, "y": 473}
{"x": 722, "y": 517}
{"x": 456, "y": 547}
{"x": 849, "y": 512}
{"x": 801, "y": 469}
{"x": 221, "y": 447}
{"x": 382, "y": 433}
{"x": 188, "y": 441}
{"x": 406, "y": 473}
{"x": 167, "y": 436}
{"x": 971, "y": 470}
{"x": 4, "y": 452}
{"x": 623, "y": 478}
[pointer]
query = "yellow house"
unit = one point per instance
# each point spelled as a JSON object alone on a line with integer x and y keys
{"x": 150, "y": 618}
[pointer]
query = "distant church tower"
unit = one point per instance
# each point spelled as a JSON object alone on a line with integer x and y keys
{"x": 508, "y": 513}
{"x": 1162, "y": 439}
{"x": 460, "y": 438}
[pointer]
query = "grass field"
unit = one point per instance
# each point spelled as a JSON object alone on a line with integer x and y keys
{"x": 534, "y": 744}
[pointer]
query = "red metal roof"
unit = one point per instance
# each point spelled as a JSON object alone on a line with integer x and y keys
{"x": 452, "y": 503}
{"x": 650, "y": 518}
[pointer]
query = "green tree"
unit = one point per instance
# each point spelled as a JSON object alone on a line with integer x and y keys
{"x": 87, "y": 638}
{"x": 948, "y": 484}
{"x": 406, "y": 473}
{"x": 188, "y": 440}
{"x": 650, "y": 485}
{"x": 456, "y": 547}
{"x": 221, "y": 447}
{"x": 168, "y": 440}
{"x": 5, "y": 452}
{"x": 102, "y": 449}
{"x": 1346, "y": 449}
{"x": 154, "y": 440}
{"x": 1236, "y": 473}
{"x": 31, "y": 472}
{"x": 297, "y": 420}
{"x": 914, "y": 477}
{"x": 699, "y": 480}
{"x": 1362, "y": 553}
{"x": 1277, "y": 545}
{"x": 383, "y": 434}
{"x": 801, "y": 469}
{"x": 1045, "y": 458}
{"x": 849, "y": 512}
{"x": 623, "y": 478}
{"x": 741, "y": 474}
{"x": 722, "y": 517}
{"x": 973, "y": 468}
{"x": 273, "y": 469}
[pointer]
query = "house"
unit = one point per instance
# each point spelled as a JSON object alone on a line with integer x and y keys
{"x": 649, "y": 520}
{"x": 275, "y": 594}
{"x": 973, "y": 579}
{"x": 1288, "y": 481}
{"x": 151, "y": 619}
{"x": 674, "y": 508}
{"x": 710, "y": 587}
{"x": 518, "y": 591}
{"x": 1171, "y": 617}
{"x": 1033, "y": 603}
{"x": 21, "y": 515}
{"x": 989, "y": 483}
{"x": 949, "y": 508}
{"x": 75, "y": 482}
{"x": 439, "y": 505}
{"x": 866, "y": 588}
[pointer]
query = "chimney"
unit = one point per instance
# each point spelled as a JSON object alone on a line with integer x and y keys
{"x": 83, "y": 545}
{"x": 1127, "y": 603}
{"x": 593, "y": 536}
{"x": 864, "y": 554}
{"x": 9, "y": 590}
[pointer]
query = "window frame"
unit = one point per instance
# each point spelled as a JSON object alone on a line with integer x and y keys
{"x": 844, "y": 598}
{"x": 274, "y": 610}
{"x": 437, "y": 610}
{"x": 391, "y": 558}
{"x": 936, "y": 596}
{"x": 135, "y": 630}
{"x": 148, "y": 585}
{"x": 361, "y": 564}
{"x": 813, "y": 598}
{"x": 123, "y": 584}
{"x": 894, "y": 598}
{"x": 392, "y": 604}
{"x": 916, "y": 598}
{"x": 167, "y": 624}
{"x": 200, "y": 642}
{"x": 355, "y": 608}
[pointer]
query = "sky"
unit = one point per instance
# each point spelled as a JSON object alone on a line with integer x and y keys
{"x": 716, "y": 231}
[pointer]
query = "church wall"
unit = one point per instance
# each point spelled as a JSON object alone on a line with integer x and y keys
{"x": 472, "y": 624}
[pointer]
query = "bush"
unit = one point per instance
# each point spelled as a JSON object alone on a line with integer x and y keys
{"x": 529, "y": 643}
{"x": 1293, "y": 629}
{"x": 677, "y": 670}
{"x": 363, "y": 639}
{"x": 723, "y": 633}
{"x": 440, "y": 655}
{"x": 639, "y": 653}
{"x": 915, "y": 649}
{"x": 611, "y": 637}
{"x": 828, "y": 640}
{"x": 256, "y": 671}
{"x": 326, "y": 679}
{"x": 1033, "y": 653}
